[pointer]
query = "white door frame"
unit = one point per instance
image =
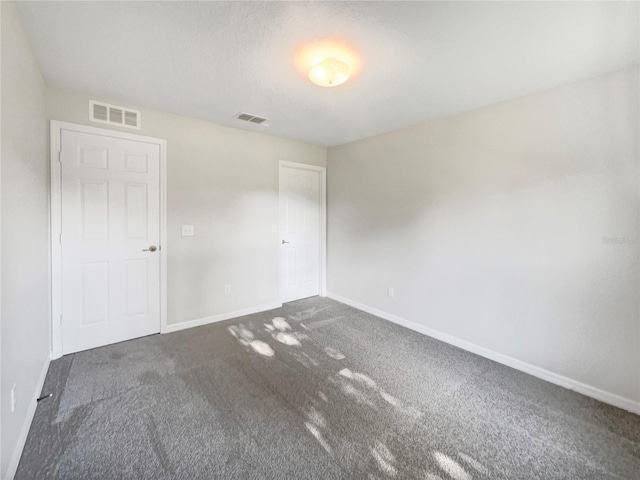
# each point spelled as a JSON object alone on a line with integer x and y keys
{"x": 56, "y": 129}
{"x": 323, "y": 223}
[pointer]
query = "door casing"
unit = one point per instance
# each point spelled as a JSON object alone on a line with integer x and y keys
{"x": 56, "y": 129}
{"x": 323, "y": 223}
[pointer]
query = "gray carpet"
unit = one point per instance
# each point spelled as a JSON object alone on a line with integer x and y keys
{"x": 315, "y": 389}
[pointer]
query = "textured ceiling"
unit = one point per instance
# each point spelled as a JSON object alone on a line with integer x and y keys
{"x": 418, "y": 60}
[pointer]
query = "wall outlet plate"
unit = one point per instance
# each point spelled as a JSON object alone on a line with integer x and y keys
{"x": 188, "y": 231}
{"x": 13, "y": 398}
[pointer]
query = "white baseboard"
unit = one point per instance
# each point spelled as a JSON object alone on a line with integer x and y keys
{"x": 566, "y": 382}
{"x": 26, "y": 424}
{"x": 219, "y": 318}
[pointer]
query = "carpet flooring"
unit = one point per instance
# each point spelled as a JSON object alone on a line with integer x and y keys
{"x": 315, "y": 390}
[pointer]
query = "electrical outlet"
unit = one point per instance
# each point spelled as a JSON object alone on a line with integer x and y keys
{"x": 227, "y": 289}
{"x": 13, "y": 398}
{"x": 188, "y": 231}
{"x": 390, "y": 292}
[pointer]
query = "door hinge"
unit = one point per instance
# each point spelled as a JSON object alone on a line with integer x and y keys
{"x": 60, "y": 156}
{"x": 60, "y": 238}
{"x": 60, "y": 319}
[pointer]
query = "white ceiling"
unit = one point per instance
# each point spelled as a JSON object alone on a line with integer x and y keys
{"x": 420, "y": 60}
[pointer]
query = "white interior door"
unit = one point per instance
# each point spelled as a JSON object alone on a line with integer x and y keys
{"x": 110, "y": 209}
{"x": 300, "y": 215}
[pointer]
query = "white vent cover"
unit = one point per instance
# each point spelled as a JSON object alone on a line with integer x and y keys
{"x": 249, "y": 117}
{"x": 113, "y": 115}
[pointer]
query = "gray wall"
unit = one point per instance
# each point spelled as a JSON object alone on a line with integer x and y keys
{"x": 224, "y": 181}
{"x": 490, "y": 227}
{"x": 24, "y": 253}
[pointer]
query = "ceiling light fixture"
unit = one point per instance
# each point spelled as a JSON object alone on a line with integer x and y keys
{"x": 330, "y": 72}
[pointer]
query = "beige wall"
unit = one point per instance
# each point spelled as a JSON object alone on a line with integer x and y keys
{"x": 224, "y": 181}
{"x": 24, "y": 254}
{"x": 490, "y": 227}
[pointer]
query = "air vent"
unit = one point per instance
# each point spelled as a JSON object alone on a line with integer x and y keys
{"x": 248, "y": 117}
{"x": 114, "y": 115}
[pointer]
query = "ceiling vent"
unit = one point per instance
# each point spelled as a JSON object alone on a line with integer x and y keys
{"x": 113, "y": 115}
{"x": 248, "y": 117}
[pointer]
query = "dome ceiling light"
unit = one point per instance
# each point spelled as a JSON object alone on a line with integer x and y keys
{"x": 330, "y": 72}
{"x": 329, "y": 62}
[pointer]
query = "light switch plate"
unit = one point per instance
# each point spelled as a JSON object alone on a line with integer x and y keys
{"x": 188, "y": 231}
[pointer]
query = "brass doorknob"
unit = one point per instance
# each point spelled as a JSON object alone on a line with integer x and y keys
{"x": 152, "y": 248}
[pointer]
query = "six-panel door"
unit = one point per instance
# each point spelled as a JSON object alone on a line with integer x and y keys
{"x": 110, "y": 219}
{"x": 300, "y": 233}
